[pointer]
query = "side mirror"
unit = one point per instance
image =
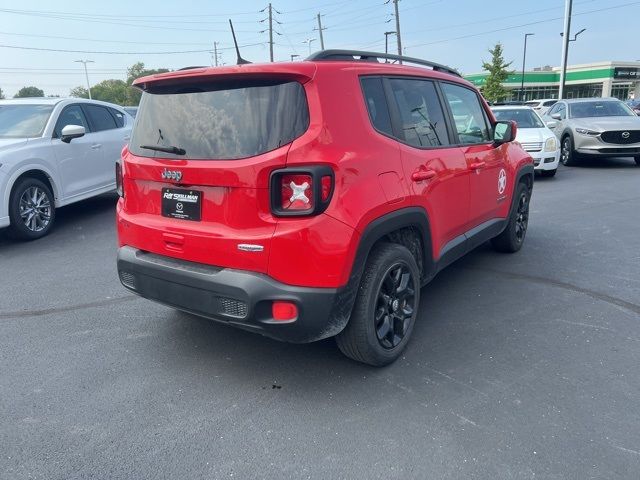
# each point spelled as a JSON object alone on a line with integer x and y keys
{"x": 72, "y": 131}
{"x": 551, "y": 124}
{"x": 504, "y": 132}
{"x": 556, "y": 116}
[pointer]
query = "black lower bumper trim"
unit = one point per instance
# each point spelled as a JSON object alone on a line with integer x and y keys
{"x": 240, "y": 298}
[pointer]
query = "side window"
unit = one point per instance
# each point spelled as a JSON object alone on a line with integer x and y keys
{"x": 118, "y": 117}
{"x": 468, "y": 114}
{"x": 553, "y": 109}
{"x": 562, "y": 110}
{"x": 377, "y": 104}
{"x": 550, "y": 103}
{"x": 421, "y": 115}
{"x": 100, "y": 117}
{"x": 71, "y": 115}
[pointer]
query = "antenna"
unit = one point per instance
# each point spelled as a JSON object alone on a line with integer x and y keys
{"x": 241, "y": 61}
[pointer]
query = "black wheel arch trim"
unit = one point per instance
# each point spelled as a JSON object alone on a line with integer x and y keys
{"x": 409, "y": 217}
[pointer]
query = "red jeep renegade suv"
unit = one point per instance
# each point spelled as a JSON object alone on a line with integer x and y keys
{"x": 314, "y": 199}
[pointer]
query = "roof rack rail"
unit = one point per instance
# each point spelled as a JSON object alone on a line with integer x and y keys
{"x": 373, "y": 56}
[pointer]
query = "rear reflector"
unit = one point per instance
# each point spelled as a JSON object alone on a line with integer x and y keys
{"x": 327, "y": 185}
{"x": 284, "y": 311}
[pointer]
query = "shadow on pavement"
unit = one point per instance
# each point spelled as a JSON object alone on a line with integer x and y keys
{"x": 71, "y": 216}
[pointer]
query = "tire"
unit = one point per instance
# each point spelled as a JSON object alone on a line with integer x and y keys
{"x": 31, "y": 209}
{"x": 512, "y": 237}
{"x": 637, "y": 159}
{"x": 389, "y": 289}
{"x": 568, "y": 156}
{"x": 548, "y": 173}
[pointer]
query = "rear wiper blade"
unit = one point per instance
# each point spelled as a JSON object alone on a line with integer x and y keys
{"x": 171, "y": 149}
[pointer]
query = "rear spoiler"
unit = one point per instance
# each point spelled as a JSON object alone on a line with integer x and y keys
{"x": 299, "y": 71}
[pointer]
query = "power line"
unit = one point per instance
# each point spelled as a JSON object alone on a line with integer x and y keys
{"x": 119, "y": 53}
{"x": 521, "y": 25}
{"x": 96, "y": 40}
{"x": 199, "y": 15}
{"x": 87, "y": 19}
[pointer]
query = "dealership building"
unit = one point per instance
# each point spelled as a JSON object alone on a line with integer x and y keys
{"x": 603, "y": 79}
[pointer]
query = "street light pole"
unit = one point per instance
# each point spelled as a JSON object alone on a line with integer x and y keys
{"x": 524, "y": 61}
{"x": 308, "y": 41}
{"x": 565, "y": 46}
{"x": 386, "y": 41}
{"x": 86, "y": 75}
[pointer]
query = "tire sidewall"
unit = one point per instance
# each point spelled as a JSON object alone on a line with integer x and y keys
{"x": 404, "y": 256}
{"x": 17, "y": 228}
{"x": 570, "y": 158}
{"x": 521, "y": 190}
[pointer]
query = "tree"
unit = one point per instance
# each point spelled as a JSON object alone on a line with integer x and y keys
{"x": 493, "y": 90}
{"x": 118, "y": 91}
{"x": 1, "y": 95}
{"x": 25, "y": 92}
{"x": 79, "y": 92}
{"x": 135, "y": 71}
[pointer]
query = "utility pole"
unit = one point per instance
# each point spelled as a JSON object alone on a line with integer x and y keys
{"x": 395, "y": 5}
{"x": 270, "y": 18}
{"x": 565, "y": 46}
{"x": 270, "y": 32}
{"x": 320, "y": 31}
{"x": 386, "y": 41}
{"x": 215, "y": 53}
{"x": 86, "y": 75}
{"x": 524, "y": 61}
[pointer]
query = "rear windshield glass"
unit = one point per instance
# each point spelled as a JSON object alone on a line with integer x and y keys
{"x": 524, "y": 117}
{"x": 219, "y": 122}
{"x": 23, "y": 121}
{"x": 599, "y": 109}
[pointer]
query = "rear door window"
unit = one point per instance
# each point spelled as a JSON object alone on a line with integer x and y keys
{"x": 422, "y": 120}
{"x": 100, "y": 118}
{"x": 377, "y": 104}
{"x": 220, "y": 121}
{"x": 118, "y": 117}
{"x": 469, "y": 116}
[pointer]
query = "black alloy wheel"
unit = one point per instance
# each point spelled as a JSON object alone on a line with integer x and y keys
{"x": 395, "y": 305}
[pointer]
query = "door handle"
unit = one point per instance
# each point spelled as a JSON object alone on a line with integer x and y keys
{"x": 127, "y": 138}
{"x": 96, "y": 146}
{"x": 476, "y": 165}
{"x": 420, "y": 175}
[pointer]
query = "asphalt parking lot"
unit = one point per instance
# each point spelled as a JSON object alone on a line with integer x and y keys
{"x": 521, "y": 366}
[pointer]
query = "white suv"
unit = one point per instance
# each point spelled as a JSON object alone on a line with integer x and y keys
{"x": 54, "y": 152}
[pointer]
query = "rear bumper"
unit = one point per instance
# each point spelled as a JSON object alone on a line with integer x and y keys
{"x": 240, "y": 298}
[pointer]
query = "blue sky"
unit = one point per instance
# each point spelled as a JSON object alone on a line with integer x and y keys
{"x": 453, "y": 32}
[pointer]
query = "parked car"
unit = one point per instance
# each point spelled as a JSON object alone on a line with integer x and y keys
{"x": 133, "y": 111}
{"x": 635, "y": 106}
{"x": 604, "y": 127}
{"x": 54, "y": 152}
{"x": 534, "y": 136}
{"x": 314, "y": 199}
{"x": 541, "y": 106}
